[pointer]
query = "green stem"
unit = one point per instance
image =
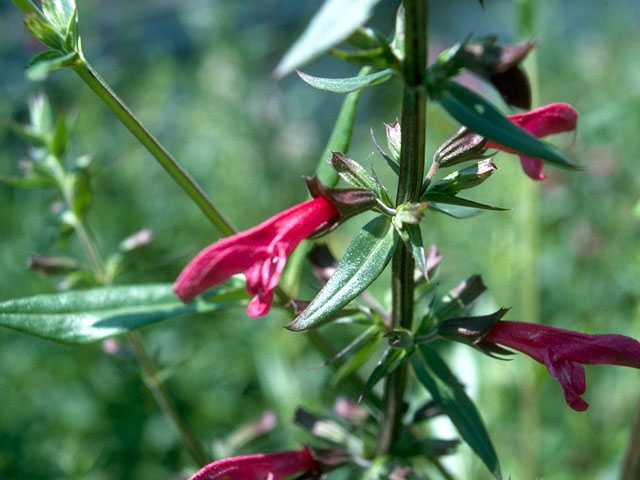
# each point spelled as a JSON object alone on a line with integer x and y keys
{"x": 181, "y": 177}
{"x": 527, "y": 258}
{"x": 631, "y": 463}
{"x": 413, "y": 123}
{"x": 162, "y": 398}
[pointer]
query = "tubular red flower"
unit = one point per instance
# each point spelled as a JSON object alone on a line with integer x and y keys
{"x": 264, "y": 466}
{"x": 260, "y": 253}
{"x": 543, "y": 121}
{"x": 564, "y": 351}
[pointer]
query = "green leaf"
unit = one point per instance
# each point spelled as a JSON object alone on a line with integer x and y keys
{"x": 47, "y": 61}
{"x": 397, "y": 44}
{"x": 81, "y": 192}
{"x": 457, "y": 301}
{"x": 374, "y": 57}
{"x": 453, "y": 200}
{"x": 350, "y": 366}
{"x": 27, "y": 6}
{"x": 482, "y": 117}
{"x": 83, "y": 316}
{"x": 466, "y": 178}
{"x": 346, "y": 85}
{"x": 40, "y": 115}
{"x": 415, "y": 244}
{"x": 454, "y": 211}
{"x": 366, "y": 257}
{"x": 341, "y": 135}
{"x": 60, "y": 140}
{"x": 447, "y": 391}
{"x": 59, "y": 13}
{"x": 334, "y": 22}
{"x": 39, "y": 27}
{"x": 27, "y": 133}
{"x": 356, "y": 343}
{"x": 391, "y": 359}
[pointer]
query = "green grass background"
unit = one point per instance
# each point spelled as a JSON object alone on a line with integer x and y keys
{"x": 198, "y": 73}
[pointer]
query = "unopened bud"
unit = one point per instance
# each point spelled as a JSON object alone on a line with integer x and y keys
{"x": 52, "y": 265}
{"x": 410, "y": 213}
{"x": 466, "y": 178}
{"x": 472, "y": 330}
{"x": 461, "y": 147}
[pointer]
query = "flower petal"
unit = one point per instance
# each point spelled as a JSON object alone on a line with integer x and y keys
{"x": 548, "y": 119}
{"x": 272, "y": 466}
{"x": 259, "y": 252}
{"x": 532, "y": 167}
{"x": 563, "y": 352}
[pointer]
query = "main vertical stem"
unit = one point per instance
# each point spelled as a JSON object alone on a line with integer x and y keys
{"x": 413, "y": 123}
{"x": 528, "y": 242}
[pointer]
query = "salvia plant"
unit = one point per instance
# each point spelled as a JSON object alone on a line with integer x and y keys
{"x": 374, "y": 431}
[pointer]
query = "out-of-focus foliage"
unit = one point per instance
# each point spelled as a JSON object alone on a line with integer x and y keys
{"x": 198, "y": 73}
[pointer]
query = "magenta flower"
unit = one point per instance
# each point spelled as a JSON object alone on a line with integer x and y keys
{"x": 263, "y": 466}
{"x": 543, "y": 121}
{"x": 563, "y": 352}
{"x": 260, "y": 253}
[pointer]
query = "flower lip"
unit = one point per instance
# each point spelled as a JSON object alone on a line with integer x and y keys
{"x": 259, "y": 252}
{"x": 540, "y": 122}
{"x": 564, "y": 352}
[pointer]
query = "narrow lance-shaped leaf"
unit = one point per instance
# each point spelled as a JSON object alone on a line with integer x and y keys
{"x": 59, "y": 13}
{"x": 47, "y": 61}
{"x": 416, "y": 246}
{"x": 27, "y": 6}
{"x": 453, "y": 200}
{"x": 356, "y": 343}
{"x": 447, "y": 391}
{"x": 89, "y": 315}
{"x": 334, "y": 22}
{"x": 391, "y": 359}
{"x": 482, "y": 117}
{"x": 350, "y": 366}
{"x": 366, "y": 257}
{"x": 346, "y": 85}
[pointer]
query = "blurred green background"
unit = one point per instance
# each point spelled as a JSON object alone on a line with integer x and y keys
{"x": 198, "y": 73}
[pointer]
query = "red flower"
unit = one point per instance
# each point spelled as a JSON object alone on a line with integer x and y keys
{"x": 260, "y": 253}
{"x": 563, "y": 352}
{"x": 543, "y": 121}
{"x": 264, "y": 466}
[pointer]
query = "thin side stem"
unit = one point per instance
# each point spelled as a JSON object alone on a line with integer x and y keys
{"x": 173, "y": 168}
{"x": 147, "y": 365}
{"x": 413, "y": 123}
{"x": 162, "y": 398}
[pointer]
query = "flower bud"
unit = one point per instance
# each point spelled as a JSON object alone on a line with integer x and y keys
{"x": 472, "y": 330}
{"x": 461, "y": 147}
{"x": 466, "y": 178}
